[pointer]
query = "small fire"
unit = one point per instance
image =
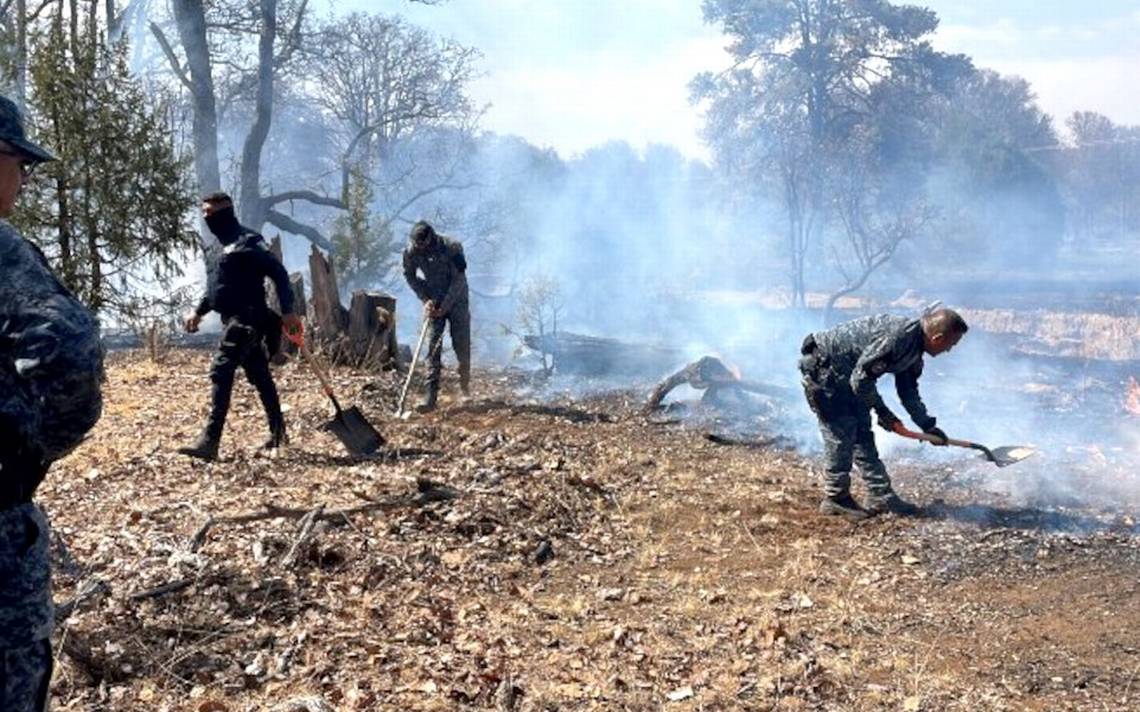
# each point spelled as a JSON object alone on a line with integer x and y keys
{"x": 1132, "y": 396}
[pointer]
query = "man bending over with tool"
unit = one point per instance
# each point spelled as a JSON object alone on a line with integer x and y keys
{"x": 443, "y": 290}
{"x": 236, "y": 290}
{"x": 840, "y": 367}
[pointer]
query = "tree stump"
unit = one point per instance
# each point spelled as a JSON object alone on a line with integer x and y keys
{"x": 329, "y": 319}
{"x": 371, "y": 329}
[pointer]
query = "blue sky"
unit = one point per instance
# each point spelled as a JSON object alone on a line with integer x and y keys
{"x": 571, "y": 74}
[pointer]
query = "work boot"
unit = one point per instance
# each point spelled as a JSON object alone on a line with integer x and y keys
{"x": 427, "y": 405}
{"x": 277, "y": 438}
{"x": 204, "y": 448}
{"x": 892, "y": 503}
{"x": 843, "y": 505}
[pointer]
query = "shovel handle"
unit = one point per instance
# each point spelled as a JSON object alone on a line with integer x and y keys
{"x": 902, "y": 430}
{"x": 412, "y": 368}
{"x": 297, "y": 336}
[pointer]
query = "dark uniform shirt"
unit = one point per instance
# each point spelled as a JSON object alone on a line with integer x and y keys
{"x": 444, "y": 268}
{"x": 51, "y": 370}
{"x": 236, "y": 285}
{"x": 858, "y": 352}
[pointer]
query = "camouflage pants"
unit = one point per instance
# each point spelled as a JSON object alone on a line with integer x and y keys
{"x": 25, "y": 676}
{"x": 459, "y": 321}
{"x": 845, "y": 424}
{"x": 242, "y": 346}
{"x": 25, "y": 609}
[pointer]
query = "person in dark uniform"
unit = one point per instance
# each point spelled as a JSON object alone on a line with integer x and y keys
{"x": 51, "y": 371}
{"x": 443, "y": 290}
{"x": 839, "y": 368}
{"x": 236, "y": 290}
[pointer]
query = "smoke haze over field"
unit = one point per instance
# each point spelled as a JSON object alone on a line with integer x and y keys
{"x": 665, "y": 218}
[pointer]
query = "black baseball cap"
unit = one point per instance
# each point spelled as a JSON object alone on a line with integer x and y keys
{"x": 12, "y": 132}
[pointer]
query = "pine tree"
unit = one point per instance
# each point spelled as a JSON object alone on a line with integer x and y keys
{"x": 364, "y": 252}
{"x": 111, "y": 213}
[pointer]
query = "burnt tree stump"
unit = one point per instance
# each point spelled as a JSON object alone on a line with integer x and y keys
{"x": 362, "y": 335}
{"x": 329, "y": 319}
{"x": 371, "y": 329}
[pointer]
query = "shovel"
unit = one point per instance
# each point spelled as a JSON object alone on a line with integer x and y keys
{"x": 1000, "y": 456}
{"x": 412, "y": 368}
{"x": 349, "y": 426}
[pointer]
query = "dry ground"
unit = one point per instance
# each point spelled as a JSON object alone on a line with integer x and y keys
{"x": 679, "y": 573}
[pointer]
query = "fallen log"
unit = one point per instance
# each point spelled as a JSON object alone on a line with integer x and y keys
{"x": 597, "y": 356}
{"x": 720, "y": 383}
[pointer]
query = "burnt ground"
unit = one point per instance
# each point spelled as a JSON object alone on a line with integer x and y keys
{"x": 678, "y": 573}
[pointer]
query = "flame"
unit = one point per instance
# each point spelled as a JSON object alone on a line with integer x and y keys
{"x": 1132, "y": 396}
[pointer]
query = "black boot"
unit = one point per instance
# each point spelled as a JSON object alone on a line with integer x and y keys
{"x": 431, "y": 394}
{"x": 204, "y": 448}
{"x": 891, "y": 502}
{"x": 465, "y": 381}
{"x": 842, "y": 505}
{"x": 277, "y": 437}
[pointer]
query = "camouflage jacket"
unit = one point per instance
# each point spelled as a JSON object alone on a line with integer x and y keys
{"x": 51, "y": 370}
{"x": 444, "y": 269}
{"x": 858, "y": 352}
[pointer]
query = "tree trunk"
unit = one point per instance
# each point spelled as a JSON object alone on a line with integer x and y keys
{"x": 191, "y": 20}
{"x": 253, "y": 209}
{"x": 371, "y": 329}
{"x": 21, "y": 53}
{"x": 329, "y": 318}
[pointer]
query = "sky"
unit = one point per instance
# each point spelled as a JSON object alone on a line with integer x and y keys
{"x": 571, "y": 74}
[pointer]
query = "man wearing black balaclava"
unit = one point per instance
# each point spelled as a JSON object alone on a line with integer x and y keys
{"x": 443, "y": 290}
{"x": 236, "y": 290}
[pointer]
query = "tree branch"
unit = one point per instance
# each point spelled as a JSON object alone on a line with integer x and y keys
{"x": 288, "y": 224}
{"x": 306, "y": 195}
{"x": 175, "y": 65}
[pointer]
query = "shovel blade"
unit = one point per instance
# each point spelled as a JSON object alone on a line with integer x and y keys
{"x": 1011, "y": 454}
{"x": 355, "y": 432}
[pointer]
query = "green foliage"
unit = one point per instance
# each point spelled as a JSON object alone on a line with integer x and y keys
{"x": 111, "y": 212}
{"x": 364, "y": 248}
{"x": 819, "y": 86}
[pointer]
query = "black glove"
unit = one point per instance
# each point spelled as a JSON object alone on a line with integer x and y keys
{"x": 888, "y": 422}
{"x": 937, "y": 432}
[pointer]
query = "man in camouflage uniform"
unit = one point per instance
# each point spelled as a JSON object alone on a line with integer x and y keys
{"x": 51, "y": 368}
{"x": 236, "y": 290}
{"x": 840, "y": 367}
{"x": 443, "y": 290}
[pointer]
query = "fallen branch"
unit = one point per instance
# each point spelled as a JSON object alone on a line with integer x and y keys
{"x": 427, "y": 492}
{"x": 88, "y": 590}
{"x": 157, "y": 591}
{"x": 308, "y": 523}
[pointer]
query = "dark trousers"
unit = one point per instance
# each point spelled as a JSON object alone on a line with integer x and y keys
{"x": 845, "y": 424}
{"x": 243, "y": 346}
{"x": 459, "y": 320}
{"x": 25, "y": 677}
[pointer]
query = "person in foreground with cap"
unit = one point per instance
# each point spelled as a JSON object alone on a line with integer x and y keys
{"x": 443, "y": 290}
{"x": 51, "y": 370}
{"x": 236, "y": 290}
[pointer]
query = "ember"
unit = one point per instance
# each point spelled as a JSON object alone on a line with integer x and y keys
{"x": 1132, "y": 397}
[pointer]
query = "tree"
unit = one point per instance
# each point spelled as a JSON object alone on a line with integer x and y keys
{"x": 364, "y": 249}
{"x": 805, "y": 77}
{"x": 110, "y": 212}
{"x": 1102, "y": 172}
{"x": 994, "y": 178}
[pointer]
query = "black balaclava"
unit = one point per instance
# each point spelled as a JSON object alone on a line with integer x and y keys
{"x": 224, "y": 225}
